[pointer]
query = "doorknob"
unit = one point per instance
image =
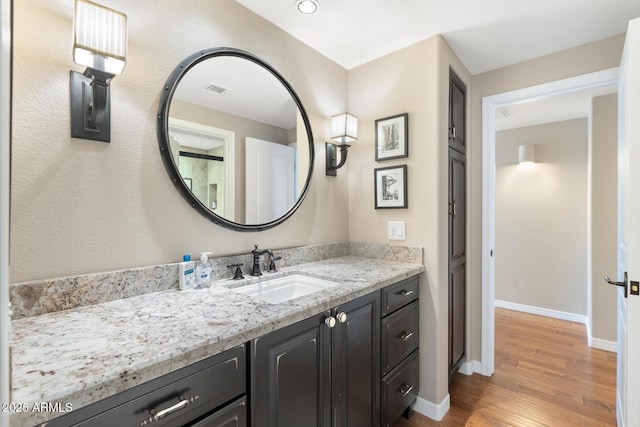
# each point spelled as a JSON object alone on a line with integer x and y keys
{"x": 623, "y": 283}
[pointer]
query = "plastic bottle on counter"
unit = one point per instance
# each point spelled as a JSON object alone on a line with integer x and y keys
{"x": 186, "y": 273}
{"x": 203, "y": 271}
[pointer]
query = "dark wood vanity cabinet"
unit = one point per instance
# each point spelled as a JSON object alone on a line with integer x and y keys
{"x": 400, "y": 342}
{"x": 322, "y": 371}
{"x": 362, "y": 371}
{"x": 208, "y": 393}
{"x": 291, "y": 375}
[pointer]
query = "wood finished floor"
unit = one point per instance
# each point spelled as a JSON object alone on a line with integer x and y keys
{"x": 545, "y": 375}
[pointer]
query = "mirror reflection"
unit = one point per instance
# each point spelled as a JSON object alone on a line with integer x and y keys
{"x": 238, "y": 139}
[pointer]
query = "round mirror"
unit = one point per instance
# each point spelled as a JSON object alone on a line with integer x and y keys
{"x": 235, "y": 139}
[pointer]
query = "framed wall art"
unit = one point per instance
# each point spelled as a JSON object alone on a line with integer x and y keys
{"x": 392, "y": 137}
{"x": 390, "y": 187}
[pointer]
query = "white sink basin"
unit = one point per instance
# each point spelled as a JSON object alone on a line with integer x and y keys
{"x": 285, "y": 288}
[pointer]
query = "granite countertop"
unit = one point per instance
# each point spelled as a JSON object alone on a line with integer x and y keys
{"x": 82, "y": 355}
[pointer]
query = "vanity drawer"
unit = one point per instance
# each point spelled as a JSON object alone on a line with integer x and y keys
{"x": 400, "y": 389}
{"x": 191, "y": 392}
{"x": 399, "y": 335}
{"x": 399, "y": 295}
{"x": 232, "y": 415}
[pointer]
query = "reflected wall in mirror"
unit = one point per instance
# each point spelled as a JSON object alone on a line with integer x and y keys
{"x": 235, "y": 139}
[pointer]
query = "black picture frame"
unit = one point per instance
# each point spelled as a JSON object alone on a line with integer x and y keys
{"x": 392, "y": 137}
{"x": 390, "y": 187}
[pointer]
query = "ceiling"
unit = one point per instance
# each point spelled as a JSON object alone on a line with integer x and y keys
{"x": 486, "y": 34}
{"x": 556, "y": 108}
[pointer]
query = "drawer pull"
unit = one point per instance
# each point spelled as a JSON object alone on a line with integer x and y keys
{"x": 405, "y": 336}
{"x": 405, "y": 293}
{"x": 406, "y": 389}
{"x": 170, "y": 410}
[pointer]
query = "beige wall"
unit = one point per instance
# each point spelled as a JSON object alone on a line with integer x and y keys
{"x": 604, "y": 223}
{"x": 600, "y": 55}
{"x": 541, "y": 217}
{"x": 413, "y": 80}
{"x": 81, "y": 206}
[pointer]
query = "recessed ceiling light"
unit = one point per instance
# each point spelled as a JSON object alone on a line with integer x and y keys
{"x": 307, "y": 6}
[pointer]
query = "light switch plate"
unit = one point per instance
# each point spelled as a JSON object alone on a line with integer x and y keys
{"x": 396, "y": 230}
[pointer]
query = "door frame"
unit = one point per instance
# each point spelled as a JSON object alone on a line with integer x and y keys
{"x": 5, "y": 176}
{"x": 229, "y": 138}
{"x": 489, "y": 106}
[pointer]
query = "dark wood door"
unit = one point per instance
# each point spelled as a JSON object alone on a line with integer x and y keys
{"x": 457, "y": 105}
{"x": 457, "y": 222}
{"x": 457, "y": 259}
{"x": 291, "y": 376}
{"x": 356, "y": 363}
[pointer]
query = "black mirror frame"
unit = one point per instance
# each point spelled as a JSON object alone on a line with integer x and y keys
{"x": 165, "y": 150}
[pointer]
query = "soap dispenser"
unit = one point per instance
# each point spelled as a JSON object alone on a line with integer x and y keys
{"x": 203, "y": 271}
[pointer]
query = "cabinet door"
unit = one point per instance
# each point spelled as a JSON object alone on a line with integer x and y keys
{"x": 457, "y": 114}
{"x": 291, "y": 376}
{"x": 457, "y": 259}
{"x": 356, "y": 363}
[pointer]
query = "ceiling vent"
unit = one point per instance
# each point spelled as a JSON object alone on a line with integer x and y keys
{"x": 216, "y": 89}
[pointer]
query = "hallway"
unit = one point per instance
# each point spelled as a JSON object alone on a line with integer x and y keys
{"x": 545, "y": 375}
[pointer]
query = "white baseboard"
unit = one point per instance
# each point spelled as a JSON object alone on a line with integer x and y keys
{"x": 466, "y": 368}
{"x": 571, "y": 317}
{"x": 611, "y": 346}
{"x": 435, "y": 411}
{"x": 563, "y": 315}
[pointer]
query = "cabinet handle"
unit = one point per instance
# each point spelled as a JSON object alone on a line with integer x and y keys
{"x": 330, "y": 321}
{"x": 157, "y": 416}
{"x": 342, "y": 317}
{"x": 405, "y": 389}
{"x": 405, "y": 293}
{"x": 404, "y": 336}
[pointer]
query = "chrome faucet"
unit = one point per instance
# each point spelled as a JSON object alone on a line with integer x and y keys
{"x": 256, "y": 260}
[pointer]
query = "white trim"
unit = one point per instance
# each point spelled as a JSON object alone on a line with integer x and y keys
{"x": 601, "y": 344}
{"x": 489, "y": 106}
{"x": 467, "y": 368}
{"x": 229, "y": 138}
{"x": 5, "y": 165}
{"x": 435, "y": 411}
{"x": 541, "y": 311}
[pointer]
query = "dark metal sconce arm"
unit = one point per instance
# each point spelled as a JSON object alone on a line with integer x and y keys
{"x": 100, "y": 89}
{"x": 331, "y": 166}
{"x": 90, "y": 110}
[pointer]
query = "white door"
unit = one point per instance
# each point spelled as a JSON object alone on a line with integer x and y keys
{"x": 270, "y": 187}
{"x": 628, "y": 385}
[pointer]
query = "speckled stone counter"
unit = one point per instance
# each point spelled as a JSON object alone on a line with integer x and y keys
{"x": 82, "y": 355}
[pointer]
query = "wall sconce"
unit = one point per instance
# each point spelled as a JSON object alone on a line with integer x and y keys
{"x": 100, "y": 44}
{"x": 344, "y": 128}
{"x": 526, "y": 154}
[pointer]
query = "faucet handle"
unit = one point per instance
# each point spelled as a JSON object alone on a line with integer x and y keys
{"x": 238, "y": 273}
{"x": 272, "y": 264}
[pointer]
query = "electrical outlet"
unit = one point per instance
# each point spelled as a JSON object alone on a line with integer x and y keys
{"x": 396, "y": 230}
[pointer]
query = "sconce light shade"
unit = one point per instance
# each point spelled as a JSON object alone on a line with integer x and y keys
{"x": 100, "y": 44}
{"x": 527, "y": 154}
{"x": 344, "y": 128}
{"x": 99, "y": 37}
